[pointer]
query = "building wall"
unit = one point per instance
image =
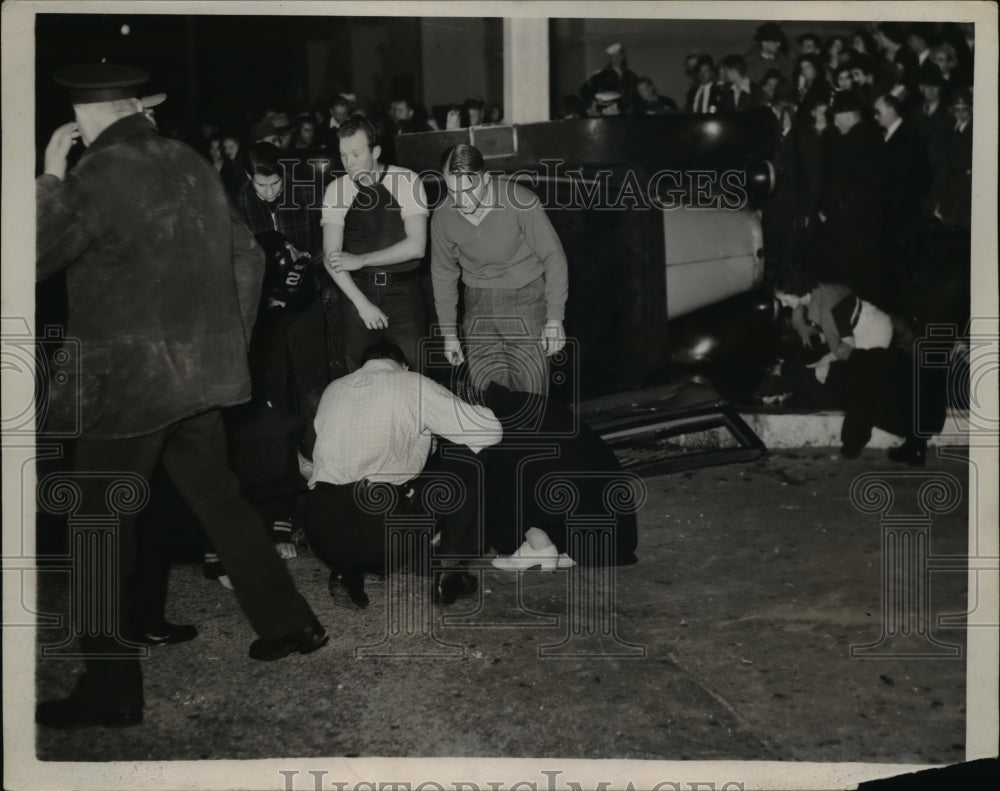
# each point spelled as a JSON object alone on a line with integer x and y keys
{"x": 460, "y": 59}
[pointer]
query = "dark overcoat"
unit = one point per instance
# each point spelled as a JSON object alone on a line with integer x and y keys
{"x": 162, "y": 278}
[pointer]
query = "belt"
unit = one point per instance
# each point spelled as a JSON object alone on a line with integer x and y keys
{"x": 384, "y": 278}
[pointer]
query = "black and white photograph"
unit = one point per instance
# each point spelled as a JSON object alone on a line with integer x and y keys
{"x": 467, "y": 396}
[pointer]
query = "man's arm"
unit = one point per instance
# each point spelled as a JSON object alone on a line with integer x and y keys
{"x": 409, "y": 193}
{"x": 248, "y": 267}
{"x": 333, "y": 242}
{"x": 446, "y": 415}
{"x": 413, "y": 246}
{"x": 445, "y": 273}
{"x": 61, "y": 234}
{"x": 541, "y": 236}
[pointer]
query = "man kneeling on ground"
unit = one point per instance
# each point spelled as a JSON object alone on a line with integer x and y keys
{"x": 375, "y": 427}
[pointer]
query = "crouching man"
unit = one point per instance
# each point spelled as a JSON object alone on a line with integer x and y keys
{"x": 375, "y": 427}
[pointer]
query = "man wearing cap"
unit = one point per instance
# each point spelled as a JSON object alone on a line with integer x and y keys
{"x": 768, "y": 54}
{"x": 615, "y": 77}
{"x": 162, "y": 282}
{"x": 849, "y": 239}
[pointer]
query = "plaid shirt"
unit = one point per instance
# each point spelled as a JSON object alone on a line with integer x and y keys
{"x": 376, "y": 424}
{"x": 296, "y": 219}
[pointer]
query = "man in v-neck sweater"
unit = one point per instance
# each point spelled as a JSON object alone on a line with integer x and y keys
{"x": 494, "y": 235}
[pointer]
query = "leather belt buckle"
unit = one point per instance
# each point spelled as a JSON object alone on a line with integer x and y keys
{"x": 380, "y": 278}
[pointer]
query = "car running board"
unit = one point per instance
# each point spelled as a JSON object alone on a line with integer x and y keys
{"x": 638, "y": 425}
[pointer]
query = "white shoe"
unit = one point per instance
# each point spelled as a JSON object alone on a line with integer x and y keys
{"x": 526, "y": 557}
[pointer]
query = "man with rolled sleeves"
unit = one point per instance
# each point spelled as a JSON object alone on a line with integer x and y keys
{"x": 162, "y": 282}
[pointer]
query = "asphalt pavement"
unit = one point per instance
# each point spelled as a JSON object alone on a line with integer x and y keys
{"x": 756, "y": 626}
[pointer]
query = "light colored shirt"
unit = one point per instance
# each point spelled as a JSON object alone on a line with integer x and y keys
{"x": 892, "y": 128}
{"x": 376, "y": 424}
{"x": 404, "y": 185}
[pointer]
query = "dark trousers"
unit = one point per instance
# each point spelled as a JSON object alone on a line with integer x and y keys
{"x": 193, "y": 454}
{"x": 289, "y": 360}
{"x": 347, "y": 525}
{"x": 403, "y": 303}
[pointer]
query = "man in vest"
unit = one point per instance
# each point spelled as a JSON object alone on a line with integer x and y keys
{"x": 374, "y": 235}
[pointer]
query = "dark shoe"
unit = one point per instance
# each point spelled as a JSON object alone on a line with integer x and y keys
{"x": 912, "y": 452}
{"x": 452, "y": 585}
{"x": 167, "y": 634}
{"x": 74, "y": 712}
{"x": 304, "y": 641}
{"x": 850, "y": 451}
{"x": 348, "y": 590}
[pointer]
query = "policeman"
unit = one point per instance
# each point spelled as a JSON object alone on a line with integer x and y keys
{"x": 162, "y": 283}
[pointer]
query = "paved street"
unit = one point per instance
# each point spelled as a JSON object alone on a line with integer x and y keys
{"x": 732, "y": 640}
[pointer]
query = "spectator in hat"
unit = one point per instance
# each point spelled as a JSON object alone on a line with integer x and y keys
{"x": 848, "y": 243}
{"x": 161, "y": 304}
{"x": 933, "y": 121}
{"x": 703, "y": 97}
{"x": 615, "y": 77}
{"x": 740, "y": 92}
{"x": 768, "y": 54}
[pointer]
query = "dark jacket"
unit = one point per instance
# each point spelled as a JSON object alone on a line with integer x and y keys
{"x": 729, "y": 102}
{"x": 905, "y": 176}
{"x": 713, "y": 100}
{"x": 162, "y": 281}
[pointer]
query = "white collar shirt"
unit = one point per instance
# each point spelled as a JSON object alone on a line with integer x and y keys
{"x": 376, "y": 424}
{"x": 892, "y": 129}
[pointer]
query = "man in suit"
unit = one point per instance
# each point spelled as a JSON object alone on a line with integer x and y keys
{"x": 740, "y": 92}
{"x": 850, "y": 238}
{"x": 904, "y": 179}
{"x": 703, "y": 96}
{"x": 933, "y": 121}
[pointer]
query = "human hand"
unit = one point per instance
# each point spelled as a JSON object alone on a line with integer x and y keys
{"x": 553, "y": 337}
{"x": 373, "y": 318}
{"x": 453, "y": 350}
{"x": 286, "y": 551}
{"x": 57, "y": 150}
{"x": 340, "y": 261}
{"x": 822, "y": 371}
